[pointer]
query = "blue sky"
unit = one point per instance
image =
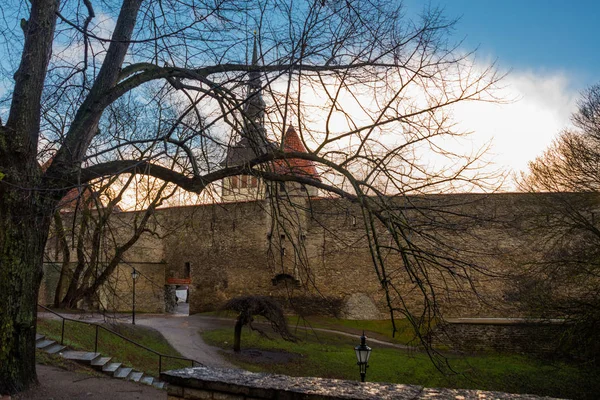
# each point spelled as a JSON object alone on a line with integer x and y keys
{"x": 551, "y": 50}
{"x": 540, "y": 35}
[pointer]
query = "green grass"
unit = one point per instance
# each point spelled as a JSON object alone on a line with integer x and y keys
{"x": 379, "y": 329}
{"x": 332, "y": 356}
{"x": 81, "y": 336}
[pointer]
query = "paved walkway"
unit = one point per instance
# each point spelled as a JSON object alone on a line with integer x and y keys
{"x": 183, "y": 332}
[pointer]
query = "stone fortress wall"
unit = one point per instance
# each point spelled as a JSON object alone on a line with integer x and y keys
{"x": 316, "y": 253}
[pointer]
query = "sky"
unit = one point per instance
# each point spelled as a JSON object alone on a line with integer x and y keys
{"x": 551, "y": 51}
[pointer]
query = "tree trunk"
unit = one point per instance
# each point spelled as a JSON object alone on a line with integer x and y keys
{"x": 23, "y": 232}
{"x": 25, "y": 211}
{"x": 237, "y": 335}
{"x": 66, "y": 257}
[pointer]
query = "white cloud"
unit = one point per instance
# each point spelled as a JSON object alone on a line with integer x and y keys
{"x": 71, "y": 51}
{"x": 522, "y": 129}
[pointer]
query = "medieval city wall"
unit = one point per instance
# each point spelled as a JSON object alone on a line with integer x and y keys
{"x": 239, "y": 249}
{"x": 146, "y": 256}
{"x": 316, "y": 252}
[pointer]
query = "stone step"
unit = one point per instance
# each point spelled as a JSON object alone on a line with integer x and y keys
{"x": 148, "y": 380}
{"x": 122, "y": 372}
{"x": 100, "y": 362}
{"x": 81, "y": 356}
{"x": 56, "y": 348}
{"x": 111, "y": 367}
{"x": 158, "y": 384}
{"x": 41, "y": 344}
{"x": 135, "y": 376}
{"x": 97, "y": 361}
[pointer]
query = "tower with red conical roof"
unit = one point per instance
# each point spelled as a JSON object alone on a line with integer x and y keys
{"x": 296, "y": 166}
{"x": 253, "y": 143}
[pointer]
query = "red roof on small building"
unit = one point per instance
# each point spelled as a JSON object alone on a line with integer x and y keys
{"x": 69, "y": 201}
{"x": 295, "y": 166}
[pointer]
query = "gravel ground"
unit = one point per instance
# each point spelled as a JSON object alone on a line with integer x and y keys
{"x": 60, "y": 384}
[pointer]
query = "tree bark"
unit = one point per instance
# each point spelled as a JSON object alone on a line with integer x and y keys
{"x": 24, "y": 225}
{"x": 237, "y": 335}
{"x": 25, "y": 211}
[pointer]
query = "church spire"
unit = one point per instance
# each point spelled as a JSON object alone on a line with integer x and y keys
{"x": 254, "y": 107}
{"x": 254, "y": 81}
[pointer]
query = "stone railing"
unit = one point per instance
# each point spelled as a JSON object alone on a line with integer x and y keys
{"x": 203, "y": 383}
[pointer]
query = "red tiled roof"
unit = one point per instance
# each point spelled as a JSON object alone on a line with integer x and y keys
{"x": 295, "y": 166}
{"x": 69, "y": 201}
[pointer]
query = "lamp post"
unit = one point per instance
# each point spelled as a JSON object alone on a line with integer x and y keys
{"x": 134, "y": 276}
{"x": 363, "y": 352}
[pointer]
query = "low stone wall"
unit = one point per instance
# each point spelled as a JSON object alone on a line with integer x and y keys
{"x": 502, "y": 334}
{"x": 203, "y": 383}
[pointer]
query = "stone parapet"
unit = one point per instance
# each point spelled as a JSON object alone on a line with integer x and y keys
{"x": 231, "y": 384}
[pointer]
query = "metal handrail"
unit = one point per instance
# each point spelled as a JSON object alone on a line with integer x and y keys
{"x": 98, "y": 326}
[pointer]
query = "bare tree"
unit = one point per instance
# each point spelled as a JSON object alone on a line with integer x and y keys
{"x": 564, "y": 282}
{"x": 250, "y": 306}
{"x": 571, "y": 163}
{"x": 99, "y": 242}
{"x": 368, "y": 89}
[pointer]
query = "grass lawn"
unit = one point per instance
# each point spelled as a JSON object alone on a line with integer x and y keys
{"x": 80, "y": 336}
{"x": 332, "y": 356}
{"x": 379, "y": 329}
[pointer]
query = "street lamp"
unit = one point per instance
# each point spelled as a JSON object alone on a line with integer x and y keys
{"x": 134, "y": 276}
{"x": 363, "y": 352}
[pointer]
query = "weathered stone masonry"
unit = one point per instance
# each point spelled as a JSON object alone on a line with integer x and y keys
{"x": 202, "y": 383}
{"x": 320, "y": 251}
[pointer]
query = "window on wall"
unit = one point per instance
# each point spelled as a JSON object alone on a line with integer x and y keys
{"x": 188, "y": 269}
{"x": 244, "y": 181}
{"x": 234, "y": 182}
{"x": 254, "y": 182}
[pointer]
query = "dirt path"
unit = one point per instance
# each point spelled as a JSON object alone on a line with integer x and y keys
{"x": 61, "y": 384}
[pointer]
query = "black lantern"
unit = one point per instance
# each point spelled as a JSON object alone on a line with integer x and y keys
{"x": 134, "y": 276}
{"x": 363, "y": 352}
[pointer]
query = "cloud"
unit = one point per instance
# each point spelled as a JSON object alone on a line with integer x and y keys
{"x": 539, "y": 107}
{"x": 70, "y": 49}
